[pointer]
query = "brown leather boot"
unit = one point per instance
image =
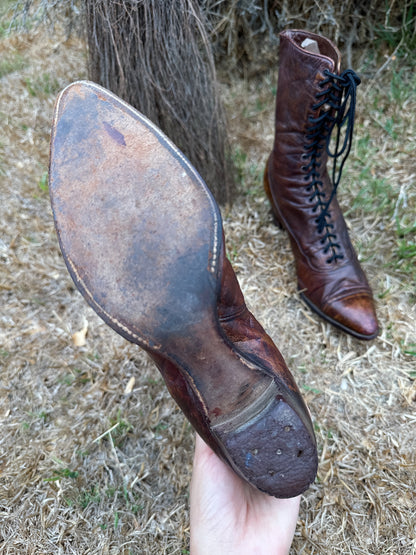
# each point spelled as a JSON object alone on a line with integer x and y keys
{"x": 142, "y": 238}
{"x": 313, "y": 99}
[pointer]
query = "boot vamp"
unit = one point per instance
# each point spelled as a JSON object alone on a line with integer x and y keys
{"x": 327, "y": 268}
{"x": 334, "y": 282}
{"x": 298, "y": 204}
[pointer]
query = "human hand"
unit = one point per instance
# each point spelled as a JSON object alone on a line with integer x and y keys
{"x": 228, "y": 516}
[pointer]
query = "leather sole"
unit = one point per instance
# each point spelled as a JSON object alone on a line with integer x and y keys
{"x": 141, "y": 236}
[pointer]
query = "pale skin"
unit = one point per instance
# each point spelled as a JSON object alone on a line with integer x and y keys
{"x": 228, "y": 516}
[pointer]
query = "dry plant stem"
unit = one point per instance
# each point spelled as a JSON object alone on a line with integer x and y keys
{"x": 247, "y": 32}
{"x": 157, "y": 56}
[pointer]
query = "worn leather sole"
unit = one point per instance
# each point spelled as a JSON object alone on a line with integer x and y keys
{"x": 141, "y": 236}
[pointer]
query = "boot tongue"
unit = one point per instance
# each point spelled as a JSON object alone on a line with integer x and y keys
{"x": 311, "y": 46}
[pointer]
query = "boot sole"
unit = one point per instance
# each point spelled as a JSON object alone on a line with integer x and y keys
{"x": 141, "y": 236}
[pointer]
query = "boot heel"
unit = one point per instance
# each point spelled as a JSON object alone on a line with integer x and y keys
{"x": 276, "y": 218}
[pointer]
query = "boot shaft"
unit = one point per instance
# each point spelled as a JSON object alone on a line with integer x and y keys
{"x": 301, "y": 73}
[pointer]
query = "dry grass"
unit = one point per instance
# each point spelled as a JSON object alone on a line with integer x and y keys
{"x": 248, "y": 30}
{"x": 93, "y": 463}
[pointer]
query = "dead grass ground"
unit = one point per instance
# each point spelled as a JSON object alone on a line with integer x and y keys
{"x": 95, "y": 458}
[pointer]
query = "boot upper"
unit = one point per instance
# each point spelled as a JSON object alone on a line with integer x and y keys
{"x": 302, "y": 192}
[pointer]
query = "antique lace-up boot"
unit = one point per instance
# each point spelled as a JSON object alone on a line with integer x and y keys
{"x": 142, "y": 239}
{"x": 313, "y": 100}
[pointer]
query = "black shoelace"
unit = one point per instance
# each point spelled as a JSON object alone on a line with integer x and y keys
{"x": 338, "y": 99}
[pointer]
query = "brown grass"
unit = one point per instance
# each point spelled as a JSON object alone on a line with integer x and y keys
{"x": 91, "y": 462}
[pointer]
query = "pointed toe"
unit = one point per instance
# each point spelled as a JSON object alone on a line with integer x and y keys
{"x": 354, "y": 314}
